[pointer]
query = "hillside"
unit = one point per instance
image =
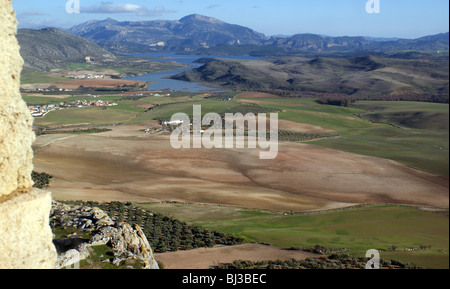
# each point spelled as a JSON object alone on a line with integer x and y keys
{"x": 50, "y": 48}
{"x": 189, "y": 33}
{"x": 358, "y": 76}
{"x": 197, "y": 32}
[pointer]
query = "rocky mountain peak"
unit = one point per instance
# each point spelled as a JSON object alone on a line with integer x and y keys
{"x": 198, "y": 17}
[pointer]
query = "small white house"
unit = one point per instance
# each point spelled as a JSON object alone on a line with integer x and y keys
{"x": 175, "y": 122}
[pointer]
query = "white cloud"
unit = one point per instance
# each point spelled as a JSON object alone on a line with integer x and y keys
{"x": 31, "y": 19}
{"x": 110, "y": 8}
{"x": 34, "y": 23}
{"x": 214, "y": 6}
{"x": 30, "y": 13}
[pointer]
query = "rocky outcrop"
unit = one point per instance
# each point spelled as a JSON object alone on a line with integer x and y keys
{"x": 80, "y": 217}
{"x": 126, "y": 241}
{"x": 25, "y": 234}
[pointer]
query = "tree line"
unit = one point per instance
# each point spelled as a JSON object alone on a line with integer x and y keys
{"x": 440, "y": 97}
{"x": 39, "y": 132}
{"x": 41, "y": 180}
{"x": 333, "y": 261}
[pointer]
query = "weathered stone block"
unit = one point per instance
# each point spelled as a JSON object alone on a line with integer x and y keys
{"x": 16, "y": 135}
{"x": 25, "y": 234}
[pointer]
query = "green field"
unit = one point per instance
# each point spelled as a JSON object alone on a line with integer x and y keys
{"x": 356, "y": 229}
{"x": 40, "y": 77}
{"x": 127, "y": 111}
{"x": 43, "y": 100}
{"x": 88, "y": 116}
{"x": 420, "y": 157}
{"x": 207, "y": 106}
{"x": 421, "y": 142}
{"x": 415, "y": 115}
{"x": 306, "y": 110}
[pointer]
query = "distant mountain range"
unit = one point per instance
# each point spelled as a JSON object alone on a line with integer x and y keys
{"x": 196, "y": 32}
{"x": 50, "y": 48}
{"x": 312, "y": 42}
{"x": 187, "y": 34}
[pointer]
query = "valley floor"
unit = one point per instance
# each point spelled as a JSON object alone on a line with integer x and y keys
{"x": 128, "y": 165}
{"x": 232, "y": 190}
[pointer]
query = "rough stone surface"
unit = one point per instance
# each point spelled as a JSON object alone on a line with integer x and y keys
{"x": 83, "y": 218}
{"x": 25, "y": 234}
{"x": 16, "y": 135}
{"x": 69, "y": 258}
{"x": 127, "y": 241}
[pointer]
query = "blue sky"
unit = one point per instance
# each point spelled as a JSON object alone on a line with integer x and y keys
{"x": 397, "y": 18}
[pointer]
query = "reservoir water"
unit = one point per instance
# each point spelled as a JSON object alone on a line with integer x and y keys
{"x": 160, "y": 80}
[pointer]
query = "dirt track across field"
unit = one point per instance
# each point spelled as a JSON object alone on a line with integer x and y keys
{"x": 257, "y": 95}
{"x": 206, "y": 258}
{"x": 128, "y": 165}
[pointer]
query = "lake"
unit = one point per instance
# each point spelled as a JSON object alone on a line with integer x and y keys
{"x": 160, "y": 79}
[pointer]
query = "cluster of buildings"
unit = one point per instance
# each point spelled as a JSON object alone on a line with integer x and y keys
{"x": 50, "y": 89}
{"x": 83, "y": 103}
{"x": 160, "y": 95}
{"x": 175, "y": 122}
{"x": 42, "y": 110}
{"x": 86, "y": 76}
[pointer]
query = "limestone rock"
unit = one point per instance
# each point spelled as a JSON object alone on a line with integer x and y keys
{"x": 127, "y": 241}
{"x": 25, "y": 236}
{"x": 16, "y": 135}
{"x": 69, "y": 258}
{"x": 84, "y": 218}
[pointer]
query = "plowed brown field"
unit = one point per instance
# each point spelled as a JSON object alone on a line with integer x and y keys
{"x": 128, "y": 165}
